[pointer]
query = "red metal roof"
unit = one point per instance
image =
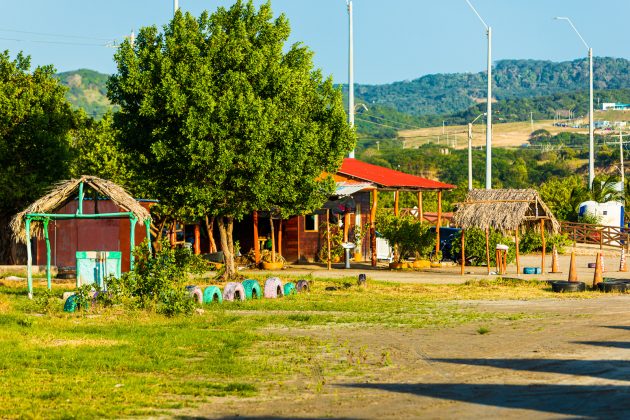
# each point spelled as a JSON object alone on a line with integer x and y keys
{"x": 388, "y": 178}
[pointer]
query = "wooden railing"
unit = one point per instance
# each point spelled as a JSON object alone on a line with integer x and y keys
{"x": 601, "y": 235}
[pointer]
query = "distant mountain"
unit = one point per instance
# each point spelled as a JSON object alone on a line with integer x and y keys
{"x": 440, "y": 94}
{"x": 87, "y": 89}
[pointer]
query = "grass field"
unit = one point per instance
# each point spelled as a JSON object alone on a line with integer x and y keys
{"x": 504, "y": 134}
{"x": 115, "y": 362}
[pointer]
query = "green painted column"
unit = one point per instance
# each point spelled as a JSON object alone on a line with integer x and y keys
{"x": 147, "y": 224}
{"x": 80, "y": 207}
{"x": 29, "y": 258}
{"x": 48, "y": 274}
{"x": 132, "y": 239}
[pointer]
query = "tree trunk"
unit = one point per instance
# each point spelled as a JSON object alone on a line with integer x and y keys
{"x": 10, "y": 251}
{"x": 273, "y": 241}
{"x": 210, "y": 230}
{"x": 225, "y": 231}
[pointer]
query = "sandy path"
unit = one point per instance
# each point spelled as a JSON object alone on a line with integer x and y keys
{"x": 571, "y": 362}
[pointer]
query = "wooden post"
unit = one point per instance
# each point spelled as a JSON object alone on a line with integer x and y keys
{"x": 518, "y": 263}
{"x": 197, "y": 239}
{"x": 488, "y": 249}
{"x": 328, "y": 237}
{"x": 273, "y": 239}
{"x": 280, "y": 237}
{"x": 420, "y": 213}
{"x": 373, "y": 226}
{"x": 346, "y": 226}
{"x": 438, "y": 222}
{"x": 256, "y": 240}
{"x": 396, "y": 198}
{"x": 463, "y": 251}
{"x": 544, "y": 245}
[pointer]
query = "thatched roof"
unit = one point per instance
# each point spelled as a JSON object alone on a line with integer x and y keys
{"x": 503, "y": 210}
{"x": 64, "y": 192}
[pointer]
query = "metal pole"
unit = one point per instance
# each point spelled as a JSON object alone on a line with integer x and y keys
{"x": 591, "y": 157}
{"x": 621, "y": 169}
{"x": 132, "y": 240}
{"x": 29, "y": 259}
{"x": 48, "y": 274}
{"x": 350, "y": 71}
{"x": 175, "y": 6}
{"x": 469, "y": 156}
{"x": 489, "y": 116}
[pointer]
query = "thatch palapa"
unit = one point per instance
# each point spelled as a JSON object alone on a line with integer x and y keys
{"x": 64, "y": 192}
{"x": 504, "y": 210}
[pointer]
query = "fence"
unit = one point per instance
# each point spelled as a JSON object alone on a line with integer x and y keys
{"x": 596, "y": 234}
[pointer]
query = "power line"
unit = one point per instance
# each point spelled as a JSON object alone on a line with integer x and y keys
{"x": 56, "y": 35}
{"x": 53, "y": 42}
{"x": 392, "y": 121}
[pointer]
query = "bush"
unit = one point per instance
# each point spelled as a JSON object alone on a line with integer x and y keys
{"x": 532, "y": 242}
{"x": 475, "y": 243}
{"x": 159, "y": 281}
{"x": 406, "y": 234}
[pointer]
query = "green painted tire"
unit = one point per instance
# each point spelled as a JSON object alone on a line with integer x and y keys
{"x": 212, "y": 294}
{"x": 289, "y": 289}
{"x": 252, "y": 289}
{"x": 71, "y": 304}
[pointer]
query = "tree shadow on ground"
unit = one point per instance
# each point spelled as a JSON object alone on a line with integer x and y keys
{"x": 606, "y": 369}
{"x": 573, "y": 400}
{"x": 614, "y": 344}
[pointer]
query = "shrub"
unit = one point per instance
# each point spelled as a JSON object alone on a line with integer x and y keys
{"x": 475, "y": 243}
{"x": 406, "y": 234}
{"x": 532, "y": 242}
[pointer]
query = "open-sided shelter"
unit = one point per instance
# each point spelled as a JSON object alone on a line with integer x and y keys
{"x": 35, "y": 218}
{"x": 505, "y": 210}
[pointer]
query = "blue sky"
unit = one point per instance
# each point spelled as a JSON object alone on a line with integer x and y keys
{"x": 394, "y": 39}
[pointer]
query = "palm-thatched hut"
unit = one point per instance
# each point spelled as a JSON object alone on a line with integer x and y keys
{"x": 505, "y": 210}
{"x": 35, "y": 218}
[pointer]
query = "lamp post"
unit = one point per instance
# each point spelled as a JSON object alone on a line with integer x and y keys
{"x": 470, "y": 133}
{"x": 489, "y": 105}
{"x": 591, "y": 158}
{"x": 350, "y": 70}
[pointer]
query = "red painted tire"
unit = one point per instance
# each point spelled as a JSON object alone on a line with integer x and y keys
{"x": 303, "y": 286}
{"x": 273, "y": 288}
{"x": 233, "y": 291}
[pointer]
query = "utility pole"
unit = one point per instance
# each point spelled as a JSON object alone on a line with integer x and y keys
{"x": 470, "y": 126}
{"x": 350, "y": 70}
{"x": 132, "y": 38}
{"x": 531, "y": 118}
{"x": 623, "y": 179}
{"x": 175, "y": 6}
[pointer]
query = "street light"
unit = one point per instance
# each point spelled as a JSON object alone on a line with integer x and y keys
{"x": 175, "y": 6}
{"x": 591, "y": 158}
{"x": 489, "y": 106}
{"x": 350, "y": 71}
{"x": 470, "y": 125}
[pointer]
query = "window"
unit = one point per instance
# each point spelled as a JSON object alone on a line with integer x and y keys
{"x": 311, "y": 223}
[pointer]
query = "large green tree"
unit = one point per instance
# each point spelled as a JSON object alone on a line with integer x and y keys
{"x": 225, "y": 119}
{"x": 34, "y": 139}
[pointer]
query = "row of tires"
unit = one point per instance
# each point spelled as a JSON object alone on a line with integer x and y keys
{"x": 607, "y": 286}
{"x": 247, "y": 289}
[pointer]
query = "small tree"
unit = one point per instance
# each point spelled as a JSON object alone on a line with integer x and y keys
{"x": 225, "y": 119}
{"x": 406, "y": 234}
{"x": 34, "y": 139}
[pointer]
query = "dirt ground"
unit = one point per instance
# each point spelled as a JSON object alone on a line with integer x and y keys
{"x": 569, "y": 361}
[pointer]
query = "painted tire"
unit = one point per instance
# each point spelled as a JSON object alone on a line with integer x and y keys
{"x": 212, "y": 294}
{"x": 252, "y": 289}
{"x": 71, "y": 304}
{"x": 612, "y": 286}
{"x": 66, "y": 295}
{"x": 289, "y": 289}
{"x": 531, "y": 270}
{"x": 567, "y": 286}
{"x": 591, "y": 265}
{"x": 233, "y": 291}
{"x": 303, "y": 286}
{"x": 196, "y": 293}
{"x": 273, "y": 288}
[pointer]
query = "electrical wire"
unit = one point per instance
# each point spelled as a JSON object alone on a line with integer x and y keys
{"x": 55, "y": 35}
{"x": 53, "y": 42}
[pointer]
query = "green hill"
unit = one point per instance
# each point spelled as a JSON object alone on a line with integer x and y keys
{"x": 87, "y": 89}
{"x": 443, "y": 94}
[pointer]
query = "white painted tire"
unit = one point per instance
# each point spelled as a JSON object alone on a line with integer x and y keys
{"x": 233, "y": 291}
{"x": 273, "y": 288}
